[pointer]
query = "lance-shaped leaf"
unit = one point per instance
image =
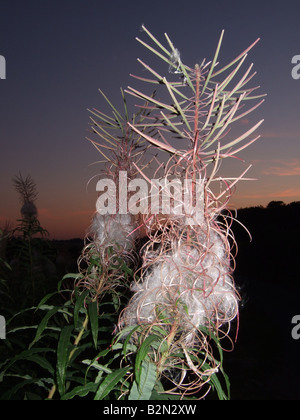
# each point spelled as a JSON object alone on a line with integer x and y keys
{"x": 143, "y": 390}
{"x": 109, "y": 383}
{"x": 63, "y": 354}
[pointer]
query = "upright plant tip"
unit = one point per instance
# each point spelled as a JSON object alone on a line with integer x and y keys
{"x": 27, "y": 191}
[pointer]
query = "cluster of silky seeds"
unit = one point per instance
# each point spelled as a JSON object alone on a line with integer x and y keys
{"x": 186, "y": 280}
{"x": 114, "y": 230}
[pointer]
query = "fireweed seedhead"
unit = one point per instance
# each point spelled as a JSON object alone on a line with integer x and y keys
{"x": 27, "y": 191}
{"x": 112, "y": 237}
{"x": 184, "y": 290}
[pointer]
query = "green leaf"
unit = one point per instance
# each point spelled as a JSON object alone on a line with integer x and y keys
{"x": 25, "y": 328}
{"x": 96, "y": 365}
{"x": 25, "y": 355}
{"x": 109, "y": 383}
{"x": 227, "y": 382}
{"x": 42, "y": 362}
{"x": 75, "y": 276}
{"x": 143, "y": 391}
{"x": 217, "y": 385}
{"x": 80, "y": 391}
{"x": 29, "y": 381}
{"x": 6, "y": 264}
{"x": 128, "y": 339}
{"x": 210, "y": 333}
{"x": 141, "y": 355}
{"x": 93, "y": 316}
{"x": 43, "y": 324}
{"x": 63, "y": 354}
{"x": 79, "y": 304}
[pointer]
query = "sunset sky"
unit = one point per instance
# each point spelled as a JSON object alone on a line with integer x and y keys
{"x": 58, "y": 53}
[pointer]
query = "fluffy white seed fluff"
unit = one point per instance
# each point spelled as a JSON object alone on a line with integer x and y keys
{"x": 191, "y": 284}
{"x": 116, "y": 230}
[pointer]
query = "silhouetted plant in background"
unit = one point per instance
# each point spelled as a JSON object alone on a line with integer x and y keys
{"x": 27, "y": 190}
{"x": 30, "y": 254}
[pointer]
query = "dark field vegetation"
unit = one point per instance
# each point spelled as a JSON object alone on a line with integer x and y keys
{"x": 42, "y": 320}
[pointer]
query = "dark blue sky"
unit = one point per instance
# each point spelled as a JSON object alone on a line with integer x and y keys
{"x": 58, "y": 53}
